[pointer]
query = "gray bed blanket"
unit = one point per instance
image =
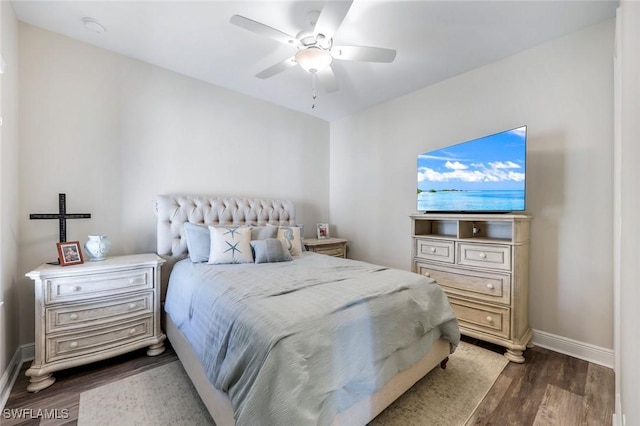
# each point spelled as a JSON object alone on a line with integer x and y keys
{"x": 294, "y": 343}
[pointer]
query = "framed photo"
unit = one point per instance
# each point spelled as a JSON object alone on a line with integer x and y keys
{"x": 69, "y": 253}
{"x": 323, "y": 231}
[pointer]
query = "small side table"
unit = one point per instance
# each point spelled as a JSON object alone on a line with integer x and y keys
{"x": 336, "y": 247}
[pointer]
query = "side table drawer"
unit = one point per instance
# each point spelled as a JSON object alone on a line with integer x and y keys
{"x": 442, "y": 251}
{"x": 490, "y": 286}
{"x": 63, "y": 346}
{"x": 487, "y": 319}
{"x": 82, "y": 287}
{"x": 485, "y": 255}
{"x": 336, "y": 250}
{"x": 73, "y": 316}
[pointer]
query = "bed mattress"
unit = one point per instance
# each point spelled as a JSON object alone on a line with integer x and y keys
{"x": 298, "y": 342}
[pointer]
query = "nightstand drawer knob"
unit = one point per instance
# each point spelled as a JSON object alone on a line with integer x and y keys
{"x": 77, "y": 288}
{"x": 483, "y": 255}
{"x": 73, "y": 316}
{"x": 489, "y": 319}
{"x": 433, "y": 249}
{"x": 73, "y": 344}
{"x": 132, "y": 305}
{"x": 427, "y": 274}
{"x": 132, "y": 281}
{"x": 490, "y": 286}
{"x": 132, "y": 331}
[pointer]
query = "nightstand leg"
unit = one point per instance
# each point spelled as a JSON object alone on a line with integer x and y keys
{"x": 156, "y": 349}
{"x": 37, "y": 383}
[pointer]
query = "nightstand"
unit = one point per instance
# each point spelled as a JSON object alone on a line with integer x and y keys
{"x": 93, "y": 311}
{"x": 336, "y": 247}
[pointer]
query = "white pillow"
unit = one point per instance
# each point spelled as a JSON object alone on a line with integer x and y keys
{"x": 293, "y": 238}
{"x": 230, "y": 245}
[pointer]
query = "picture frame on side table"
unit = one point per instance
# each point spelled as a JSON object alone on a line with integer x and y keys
{"x": 323, "y": 231}
{"x": 69, "y": 253}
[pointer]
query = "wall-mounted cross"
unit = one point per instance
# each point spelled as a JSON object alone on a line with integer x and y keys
{"x": 62, "y": 216}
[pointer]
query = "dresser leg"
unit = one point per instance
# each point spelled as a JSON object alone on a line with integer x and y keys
{"x": 514, "y": 355}
{"x": 37, "y": 383}
{"x": 156, "y": 349}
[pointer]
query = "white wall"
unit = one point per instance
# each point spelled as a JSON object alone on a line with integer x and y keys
{"x": 627, "y": 208}
{"x": 8, "y": 191}
{"x": 111, "y": 132}
{"x": 563, "y": 92}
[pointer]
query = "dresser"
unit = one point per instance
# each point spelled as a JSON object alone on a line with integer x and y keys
{"x": 481, "y": 262}
{"x": 336, "y": 247}
{"x": 93, "y": 311}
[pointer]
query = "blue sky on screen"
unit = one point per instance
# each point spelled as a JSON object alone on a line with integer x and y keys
{"x": 495, "y": 162}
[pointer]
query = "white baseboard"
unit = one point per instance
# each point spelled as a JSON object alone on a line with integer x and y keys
{"x": 22, "y": 354}
{"x": 618, "y": 417}
{"x": 574, "y": 348}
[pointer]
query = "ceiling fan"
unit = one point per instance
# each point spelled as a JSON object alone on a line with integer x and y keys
{"x": 316, "y": 50}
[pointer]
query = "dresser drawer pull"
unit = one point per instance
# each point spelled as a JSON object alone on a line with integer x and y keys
{"x": 433, "y": 249}
{"x": 73, "y": 316}
{"x": 132, "y": 280}
{"x": 427, "y": 274}
{"x": 73, "y": 344}
{"x": 490, "y": 286}
{"x": 132, "y": 305}
{"x": 483, "y": 255}
{"x": 132, "y": 331}
{"x": 489, "y": 319}
{"x": 77, "y": 288}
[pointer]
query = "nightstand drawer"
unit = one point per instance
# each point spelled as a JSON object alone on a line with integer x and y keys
{"x": 488, "y": 319}
{"x": 442, "y": 251}
{"x": 485, "y": 255}
{"x": 98, "y": 339}
{"x": 89, "y": 286}
{"x": 75, "y": 316}
{"x": 336, "y": 250}
{"x": 489, "y": 286}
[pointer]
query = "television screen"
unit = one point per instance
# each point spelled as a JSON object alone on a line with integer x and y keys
{"x": 481, "y": 175}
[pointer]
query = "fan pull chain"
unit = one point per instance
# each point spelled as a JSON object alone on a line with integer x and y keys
{"x": 313, "y": 90}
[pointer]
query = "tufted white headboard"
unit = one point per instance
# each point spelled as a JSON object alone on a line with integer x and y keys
{"x": 174, "y": 210}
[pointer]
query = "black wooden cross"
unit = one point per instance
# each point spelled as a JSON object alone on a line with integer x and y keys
{"x": 62, "y": 216}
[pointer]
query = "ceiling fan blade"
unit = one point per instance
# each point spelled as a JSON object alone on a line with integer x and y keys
{"x": 277, "y": 68}
{"x": 328, "y": 80}
{"x": 332, "y": 15}
{"x": 264, "y": 30}
{"x": 363, "y": 53}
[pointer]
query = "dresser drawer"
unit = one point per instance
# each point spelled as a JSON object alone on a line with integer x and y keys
{"x": 81, "y": 287}
{"x": 98, "y": 339}
{"x": 74, "y": 316}
{"x": 489, "y": 286}
{"x": 442, "y": 251}
{"x": 487, "y": 319}
{"x": 485, "y": 255}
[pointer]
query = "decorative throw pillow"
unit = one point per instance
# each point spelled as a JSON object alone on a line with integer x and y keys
{"x": 198, "y": 242}
{"x": 263, "y": 232}
{"x": 270, "y": 250}
{"x": 230, "y": 244}
{"x": 291, "y": 234}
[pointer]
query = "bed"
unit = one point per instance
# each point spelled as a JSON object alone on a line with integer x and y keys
{"x": 309, "y": 340}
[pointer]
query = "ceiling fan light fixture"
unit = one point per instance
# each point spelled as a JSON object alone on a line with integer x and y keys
{"x": 313, "y": 59}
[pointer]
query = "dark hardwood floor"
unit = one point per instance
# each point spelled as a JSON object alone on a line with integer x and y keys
{"x": 548, "y": 389}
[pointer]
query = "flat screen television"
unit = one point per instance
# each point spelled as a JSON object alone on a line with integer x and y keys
{"x": 479, "y": 176}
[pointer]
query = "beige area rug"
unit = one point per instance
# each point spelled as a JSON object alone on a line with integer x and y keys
{"x": 164, "y": 396}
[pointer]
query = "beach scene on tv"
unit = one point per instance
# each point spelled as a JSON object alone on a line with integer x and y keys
{"x": 482, "y": 175}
